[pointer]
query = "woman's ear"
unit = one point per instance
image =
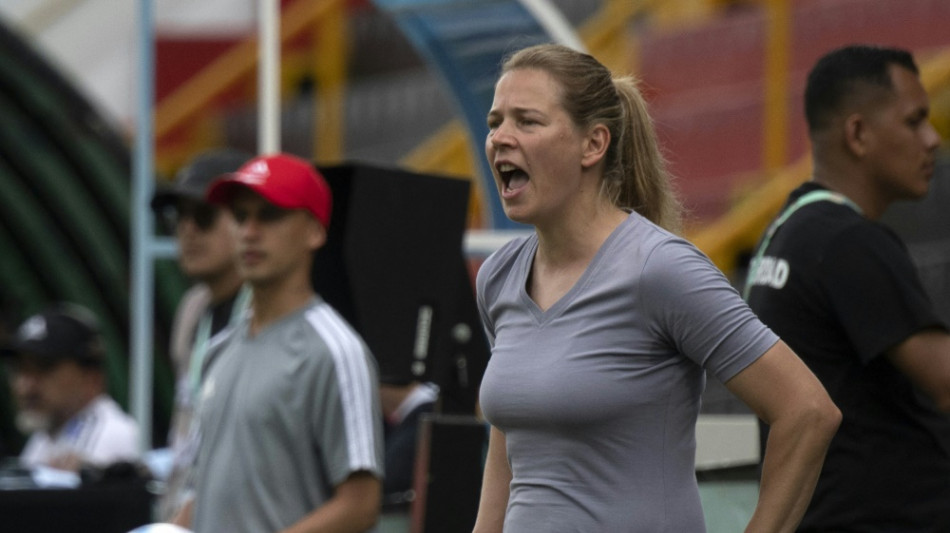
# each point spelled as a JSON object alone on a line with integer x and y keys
{"x": 595, "y": 145}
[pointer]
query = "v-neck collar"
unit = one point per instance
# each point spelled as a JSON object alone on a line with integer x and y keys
{"x": 526, "y": 261}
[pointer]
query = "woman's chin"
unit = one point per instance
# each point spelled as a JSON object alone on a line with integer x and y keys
{"x": 517, "y": 214}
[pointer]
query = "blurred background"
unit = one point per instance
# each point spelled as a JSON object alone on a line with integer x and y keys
{"x": 404, "y": 84}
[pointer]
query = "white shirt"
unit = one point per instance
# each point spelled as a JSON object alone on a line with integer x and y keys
{"x": 100, "y": 434}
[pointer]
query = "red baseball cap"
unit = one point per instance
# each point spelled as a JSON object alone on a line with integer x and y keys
{"x": 284, "y": 180}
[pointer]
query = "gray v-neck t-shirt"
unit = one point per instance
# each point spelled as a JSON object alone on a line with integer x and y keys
{"x": 598, "y": 395}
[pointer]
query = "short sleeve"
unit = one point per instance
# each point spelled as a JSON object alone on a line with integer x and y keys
{"x": 480, "y": 290}
{"x": 345, "y": 409}
{"x": 698, "y": 311}
{"x": 874, "y": 289}
{"x": 500, "y": 276}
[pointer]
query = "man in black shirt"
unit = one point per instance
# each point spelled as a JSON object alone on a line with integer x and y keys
{"x": 842, "y": 291}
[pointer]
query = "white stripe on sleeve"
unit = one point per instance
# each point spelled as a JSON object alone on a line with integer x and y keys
{"x": 354, "y": 381}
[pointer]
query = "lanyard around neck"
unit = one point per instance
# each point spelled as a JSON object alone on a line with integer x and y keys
{"x": 203, "y": 336}
{"x": 805, "y": 199}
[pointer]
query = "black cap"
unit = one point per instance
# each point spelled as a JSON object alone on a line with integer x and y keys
{"x": 193, "y": 180}
{"x": 62, "y": 332}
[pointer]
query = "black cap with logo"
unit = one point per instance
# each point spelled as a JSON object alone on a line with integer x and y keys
{"x": 62, "y": 332}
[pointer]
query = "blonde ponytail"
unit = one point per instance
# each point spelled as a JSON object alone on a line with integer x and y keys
{"x": 638, "y": 179}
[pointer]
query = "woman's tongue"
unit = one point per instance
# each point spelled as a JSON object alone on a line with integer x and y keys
{"x": 517, "y": 180}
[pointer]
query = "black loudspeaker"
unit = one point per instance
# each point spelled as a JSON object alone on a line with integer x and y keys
{"x": 394, "y": 267}
{"x": 448, "y": 477}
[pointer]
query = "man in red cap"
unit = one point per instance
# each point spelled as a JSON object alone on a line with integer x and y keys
{"x": 289, "y": 410}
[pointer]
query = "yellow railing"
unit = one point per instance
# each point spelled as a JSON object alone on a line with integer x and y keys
{"x": 188, "y": 107}
{"x": 447, "y": 152}
{"x": 739, "y": 229}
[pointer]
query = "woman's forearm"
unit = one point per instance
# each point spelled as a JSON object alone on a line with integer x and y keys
{"x": 794, "y": 455}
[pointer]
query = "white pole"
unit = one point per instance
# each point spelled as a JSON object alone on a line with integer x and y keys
{"x": 143, "y": 282}
{"x": 554, "y": 23}
{"x": 268, "y": 78}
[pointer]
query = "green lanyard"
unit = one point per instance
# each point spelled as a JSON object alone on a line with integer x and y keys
{"x": 203, "y": 337}
{"x": 812, "y": 197}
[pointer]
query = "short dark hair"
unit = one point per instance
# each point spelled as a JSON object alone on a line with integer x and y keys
{"x": 837, "y": 74}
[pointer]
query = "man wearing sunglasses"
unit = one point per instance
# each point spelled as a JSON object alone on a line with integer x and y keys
{"x": 289, "y": 409}
{"x": 206, "y": 256}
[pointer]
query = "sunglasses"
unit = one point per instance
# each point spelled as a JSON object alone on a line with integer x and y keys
{"x": 202, "y": 214}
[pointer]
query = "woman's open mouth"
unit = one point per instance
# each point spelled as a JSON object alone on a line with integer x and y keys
{"x": 512, "y": 177}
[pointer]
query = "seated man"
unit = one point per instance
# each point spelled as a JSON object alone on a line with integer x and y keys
{"x": 403, "y": 406}
{"x": 59, "y": 384}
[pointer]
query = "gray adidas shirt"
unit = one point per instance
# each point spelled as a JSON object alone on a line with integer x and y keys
{"x": 598, "y": 396}
{"x": 284, "y": 417}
